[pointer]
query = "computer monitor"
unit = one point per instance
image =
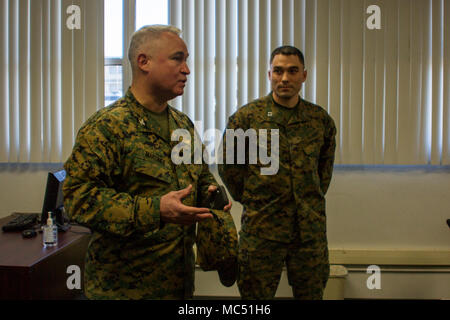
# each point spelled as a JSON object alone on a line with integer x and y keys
{"x": 53, "y": 200}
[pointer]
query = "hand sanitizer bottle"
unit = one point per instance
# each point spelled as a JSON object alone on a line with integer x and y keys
{"x": 50, "y": 235}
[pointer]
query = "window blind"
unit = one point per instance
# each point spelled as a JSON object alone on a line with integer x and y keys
{"x": 387, "y": 89}
{"x": 51, "y": 76}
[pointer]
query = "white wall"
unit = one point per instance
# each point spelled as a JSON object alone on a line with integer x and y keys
{"x": 367, "y": 208}
{"x": 389, "y": 208}
{"x": 22, "y": 187}
{"x": 382, "y": 210}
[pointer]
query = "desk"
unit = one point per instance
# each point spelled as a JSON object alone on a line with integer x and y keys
{"x": 30, "y": 271}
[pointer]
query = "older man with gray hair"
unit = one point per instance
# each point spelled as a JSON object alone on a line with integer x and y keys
{"x": 122, "y": 184}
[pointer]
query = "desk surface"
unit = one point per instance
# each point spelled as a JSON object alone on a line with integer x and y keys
{"x": 30, "y": 271}
{"x": 17, "y": 251}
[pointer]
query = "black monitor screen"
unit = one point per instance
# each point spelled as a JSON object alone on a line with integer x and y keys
{"x": 53, "y": 199}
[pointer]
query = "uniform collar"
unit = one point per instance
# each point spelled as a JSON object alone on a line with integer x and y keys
{"x": 147, "y": 122}
{"x": 299, "y": 114}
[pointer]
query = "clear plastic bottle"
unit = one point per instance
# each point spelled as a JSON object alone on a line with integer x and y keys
{"x": 50, "y": 233}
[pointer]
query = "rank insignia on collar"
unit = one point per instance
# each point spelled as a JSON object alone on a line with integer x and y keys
{"x": 269, "y": 114}
{"x": 142, "y": 122}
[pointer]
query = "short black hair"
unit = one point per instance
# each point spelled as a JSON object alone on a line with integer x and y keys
{"x": 287, "y": 50}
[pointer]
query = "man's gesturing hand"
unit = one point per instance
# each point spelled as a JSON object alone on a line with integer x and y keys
{"x": 172, "y": 210}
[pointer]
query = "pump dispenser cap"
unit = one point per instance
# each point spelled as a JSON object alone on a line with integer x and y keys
{"x": 49, "y": 220}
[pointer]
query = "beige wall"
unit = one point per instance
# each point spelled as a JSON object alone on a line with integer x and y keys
{"x": 387, "y": 208}
{"x": 22, "y": 187}
{"x": 372, "y": 208}
{"x": 383, "y": 216}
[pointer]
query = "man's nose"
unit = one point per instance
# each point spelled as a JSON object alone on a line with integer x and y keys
{"x": 284, "y": 77}
{"x": 185, "y": 69}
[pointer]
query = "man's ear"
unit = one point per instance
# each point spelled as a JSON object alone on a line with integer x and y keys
{"x": 143, "y": 62}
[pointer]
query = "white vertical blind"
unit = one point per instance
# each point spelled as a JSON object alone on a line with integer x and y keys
{"x": 356, "y": 73}
{"x": 231, "y": 60}
{"x": 253, "y": 51}
{"x": 437, "y": 80}
{"x": 387, "y": 89}
{"x": 220, "y": 63}
{"x": 4, "y": 80}
{"x": 24, "y": 81}
{"x": 287, "y": 21}
{"x": 53, "y": 129}
{"x": 446, "y": 88}
{"x": 264, "y": 49}
{"x": 36, "y": 71}
{"x": 334, "y": 67}
{"x": 243, "y": 52}
{"x": 209, "y": 62}
{"x": 13, "y": 70}
{"x": 175, "y": 18}
{"x": 199, "y": 57}
{"x": 51, "y": 77}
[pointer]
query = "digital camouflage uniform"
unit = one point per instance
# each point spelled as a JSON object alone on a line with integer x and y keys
{"x": 284, "y": 214}
{"x": 119, "y": 169}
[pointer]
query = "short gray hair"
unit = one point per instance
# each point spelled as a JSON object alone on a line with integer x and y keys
{"x": 147, "y": 34}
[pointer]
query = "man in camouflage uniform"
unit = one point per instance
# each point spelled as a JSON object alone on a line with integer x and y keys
{"x": 122, "y": 184}
{"x": 284, "y": 221}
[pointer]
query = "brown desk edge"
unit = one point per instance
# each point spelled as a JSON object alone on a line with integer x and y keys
{"x": 30, "y": 271}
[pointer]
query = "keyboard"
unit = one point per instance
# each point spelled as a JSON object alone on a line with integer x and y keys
{"x": 21, "y": 222}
